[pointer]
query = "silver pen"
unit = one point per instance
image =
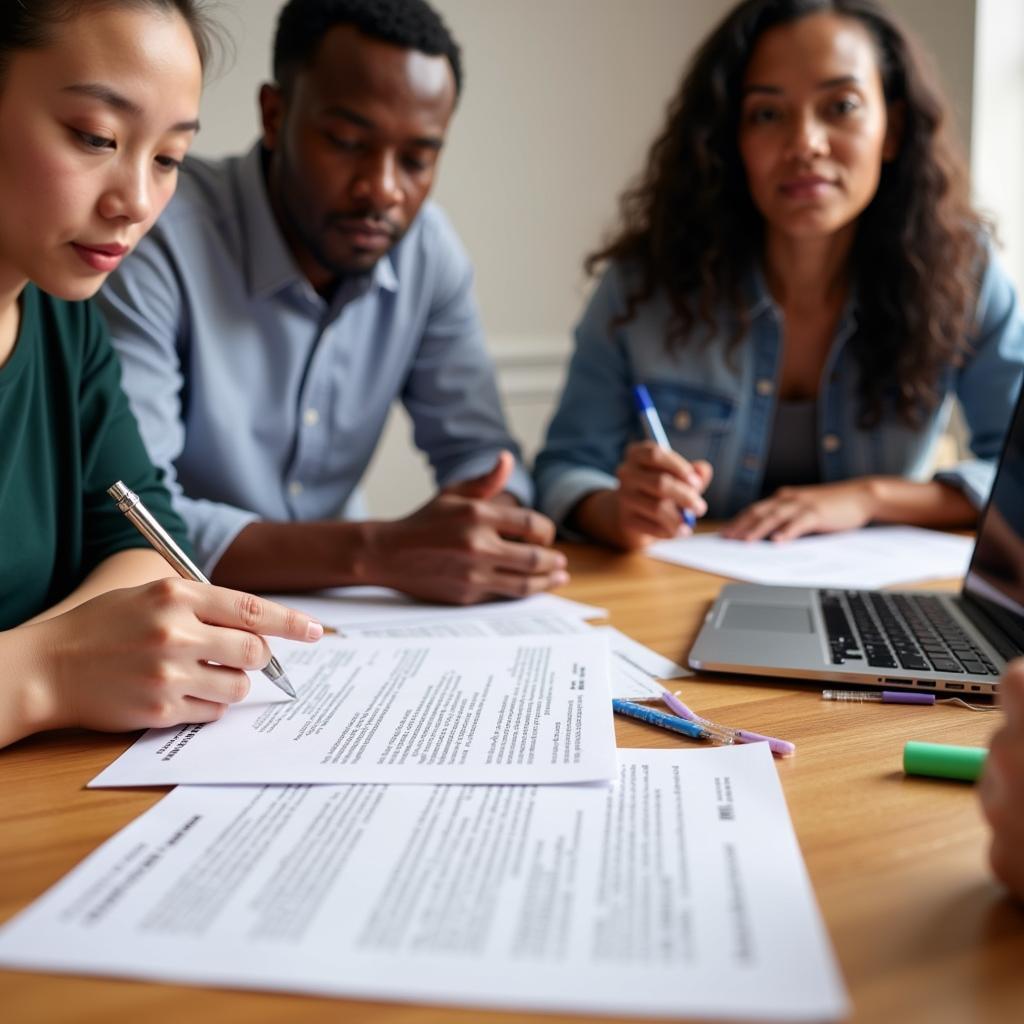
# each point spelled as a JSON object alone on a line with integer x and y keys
{"x": 143, "y": 521}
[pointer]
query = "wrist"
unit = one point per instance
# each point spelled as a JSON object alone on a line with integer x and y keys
{"x": 874, "y": 490}
{"x": 360, "y": 554}
{"x": 599, "y": 515}
{"x": 31, "y": 700}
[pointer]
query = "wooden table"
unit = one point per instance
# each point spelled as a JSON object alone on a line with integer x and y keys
{"x": 899, "y": 865}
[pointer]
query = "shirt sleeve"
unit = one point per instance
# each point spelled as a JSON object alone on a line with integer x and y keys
{"x": 594, "y": 421}
{"x": 988, "y": 383}
{"x": 112, "y": 450}
{"x": 146, "y": 311}
{"x": 451, "y": 392}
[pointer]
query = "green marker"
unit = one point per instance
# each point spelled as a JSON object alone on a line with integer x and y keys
{"x": 944, "y": 761}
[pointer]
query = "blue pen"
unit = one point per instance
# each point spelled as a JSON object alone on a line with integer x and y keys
{"x": 654, "y": 431}
{"x": 671, "y": 722}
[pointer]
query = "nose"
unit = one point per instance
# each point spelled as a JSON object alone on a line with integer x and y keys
{"x": 378, "y": 182}
{"x": 808, "y": 138}
{"x": 128, "y": 196}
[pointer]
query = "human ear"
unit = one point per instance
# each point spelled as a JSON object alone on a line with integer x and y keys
{"x": 272, "y": 104}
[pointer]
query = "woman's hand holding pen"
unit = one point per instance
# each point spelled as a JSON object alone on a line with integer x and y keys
{"x": 656, "y": 487}
{"x": 160, "y": 654}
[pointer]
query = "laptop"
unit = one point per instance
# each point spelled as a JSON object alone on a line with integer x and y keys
{"x": 927, "y": 640}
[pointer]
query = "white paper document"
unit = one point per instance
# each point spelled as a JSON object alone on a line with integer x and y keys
{"x": 348, "y": 607}
{"x": 520, "y": 624}
{"x": 635, "y": 668}
{"x": 879, "y": 556}
{"x": 422, "y": 710}
{"x": 678, "y": 891}
{"x": 640, "y": 658}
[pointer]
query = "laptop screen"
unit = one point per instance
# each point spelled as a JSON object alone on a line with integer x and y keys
{"x": 995, "y": 578}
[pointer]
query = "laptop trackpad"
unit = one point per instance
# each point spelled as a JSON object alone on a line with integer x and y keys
{"x": 772, "y": 618}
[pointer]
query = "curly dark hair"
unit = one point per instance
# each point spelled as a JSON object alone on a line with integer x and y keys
{"x": 410, "y": 23}
{"x": 690, "y": 227}
{"x": 29, "y": 24}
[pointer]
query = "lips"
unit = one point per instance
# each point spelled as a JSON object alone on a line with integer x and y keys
{"x": 809, "y": 186}
{"x": 366, "y": 233}
{"x": 102, "y": 256}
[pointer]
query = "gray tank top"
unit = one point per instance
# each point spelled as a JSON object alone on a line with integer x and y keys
{"x": 793, "y": 452}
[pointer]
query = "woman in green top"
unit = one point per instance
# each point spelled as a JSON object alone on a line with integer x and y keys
{"x": 98, "y": 105}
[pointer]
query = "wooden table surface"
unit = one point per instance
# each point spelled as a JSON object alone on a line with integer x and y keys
{"x": 899, "y": 867}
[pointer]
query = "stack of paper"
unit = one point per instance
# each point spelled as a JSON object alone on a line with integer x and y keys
{"x": 475, "y": 838}
{"x": 374, "y": 611}
{"x": 517, "y": 710}
{"x": 679, "y": 891}
{"x": 856, "y": 559}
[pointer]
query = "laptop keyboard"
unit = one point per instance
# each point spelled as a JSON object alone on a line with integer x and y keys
{"x": 899, "y": 631}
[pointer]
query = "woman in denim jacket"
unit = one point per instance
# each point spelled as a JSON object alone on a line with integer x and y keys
{"x": 801, "y": 283}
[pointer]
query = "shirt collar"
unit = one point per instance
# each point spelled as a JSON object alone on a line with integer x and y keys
{"x": 756, "y": 297}
{"x": 270, "y": 265}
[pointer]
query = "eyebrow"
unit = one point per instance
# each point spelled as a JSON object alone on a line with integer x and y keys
{"x": 345, "y": 114}
{"x": 828, "y": 83}
{"x": 108, "y": 96}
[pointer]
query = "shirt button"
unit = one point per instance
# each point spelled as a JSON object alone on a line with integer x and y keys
{"x": 831, "y": 443}
{"x": 311, "y": 417}
{"x": 682, "y": 420}
{"x": 750, "y": 462}
{"x": 764, "y": 386}
{"x": 295, "y": 488}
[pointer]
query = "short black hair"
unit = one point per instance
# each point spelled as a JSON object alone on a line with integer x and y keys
{"x": 413, "y": 24}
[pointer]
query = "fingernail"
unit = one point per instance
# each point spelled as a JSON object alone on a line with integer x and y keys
{"x": 314, "y": 631}
{"x": 560, "y": 579}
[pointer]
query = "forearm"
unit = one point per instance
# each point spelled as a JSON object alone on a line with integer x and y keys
{"x": 125, "y": 569}
{"x": 288, "y": 557}
{"x": 934, "y": 504}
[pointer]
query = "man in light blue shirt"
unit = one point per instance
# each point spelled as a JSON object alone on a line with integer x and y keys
{"x": 288, "y": 296}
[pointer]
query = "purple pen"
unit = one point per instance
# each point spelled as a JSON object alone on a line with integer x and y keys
{"x": 673, "y": 703}
{"x": 876, "y": 697}
{"x": 781, "y": 747}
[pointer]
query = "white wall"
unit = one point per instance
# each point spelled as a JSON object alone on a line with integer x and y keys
{"x": 997, "y": 152}
{"x": 562, "y": 99}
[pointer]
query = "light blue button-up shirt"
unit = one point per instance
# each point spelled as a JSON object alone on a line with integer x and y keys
{"x": 260, "y": 399}
{"x": 717, "y": 401}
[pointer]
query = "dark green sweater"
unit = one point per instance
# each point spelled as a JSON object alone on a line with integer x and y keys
{"x": 66, "y": 434}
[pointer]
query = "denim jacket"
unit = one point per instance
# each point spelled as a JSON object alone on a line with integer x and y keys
{"x": 717, "y": 402}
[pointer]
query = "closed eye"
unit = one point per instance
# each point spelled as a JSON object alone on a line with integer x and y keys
{"x": 345, "y": 145}
{"x": 91, "y": 141}
{"x": 168, "y": 163}
{"x": 415, "y": 164}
